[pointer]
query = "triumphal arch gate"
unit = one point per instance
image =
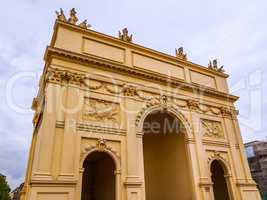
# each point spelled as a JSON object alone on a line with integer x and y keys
{"x": 118, "y": 121}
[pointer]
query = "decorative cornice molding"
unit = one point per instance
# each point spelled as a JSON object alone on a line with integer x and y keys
{"x": 100, "y": 129}
{"x": 246, "y": 183}
{"x": 55, "y": 75}
{"x": 58, "y": 76}
{"x": 215, "y": 143}
{"x": 64, "y": 54}
{"x": 90, "y": 128}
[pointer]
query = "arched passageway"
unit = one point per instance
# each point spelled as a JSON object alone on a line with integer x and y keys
{"x": 98, "y": 178}
{"x": 167, "y": 172}
{"x": 219, "y": 183}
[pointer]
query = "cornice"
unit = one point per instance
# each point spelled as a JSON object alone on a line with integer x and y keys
{"x": 52, "y": 52}
{"x": 85, "y": 126}
{"x": 209, "y": 142}
{"x": 45, "y": 183}
{"x": 100, "y": 129}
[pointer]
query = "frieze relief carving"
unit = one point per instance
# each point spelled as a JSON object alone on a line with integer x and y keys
{"x": 101, "y": 111}
{"x": 192, "y": 104}
{"x": 55, "y": 75}
{"x": 212, "y": 128}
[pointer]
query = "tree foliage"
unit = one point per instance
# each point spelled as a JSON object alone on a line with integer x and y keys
{"x": 4, "y": 189}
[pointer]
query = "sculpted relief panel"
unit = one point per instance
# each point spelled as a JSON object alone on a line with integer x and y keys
{"x": 101, "y": 111}
{"x": 212, "y": 128}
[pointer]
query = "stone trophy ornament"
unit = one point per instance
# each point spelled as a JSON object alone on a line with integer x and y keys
{"x": 124, "y": 35}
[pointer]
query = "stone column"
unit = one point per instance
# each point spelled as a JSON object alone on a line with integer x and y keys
{"x": 133, "y": 182}
{"x": 204, "y": 181}
{"x": 43, "y": 155}
{"x": 193, "y": 164}
{"x": 72, "y": 108}
{"x": 140, "y": 162}
{"x": 118, "y": 184}
{"x": 79, "y": 184}
{"x": 241, "y": 149}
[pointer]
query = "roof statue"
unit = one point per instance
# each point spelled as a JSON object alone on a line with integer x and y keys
{"x": 214, "y": 66}
{"x": 73, "y": 18}
{"x": 61, "y": 15}
{"x": 124, "y": 35}
{"x": 84, "y": 24}
{"x": 180, "y": 53}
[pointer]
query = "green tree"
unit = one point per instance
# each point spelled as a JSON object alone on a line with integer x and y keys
{"x": 4, "y": 188}
{"x": 264, "y": 196}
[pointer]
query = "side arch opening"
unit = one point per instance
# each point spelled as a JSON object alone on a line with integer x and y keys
{"x": 98, "y": 181}
{"x": 220, "y": 188}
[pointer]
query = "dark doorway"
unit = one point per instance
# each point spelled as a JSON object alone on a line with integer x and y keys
{"x": 219, "y": 184}
{"x": 98, "y": 177}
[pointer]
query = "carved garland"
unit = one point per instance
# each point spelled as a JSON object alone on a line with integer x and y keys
{"x": 162, "y": 102}
{"x": 217, "y": 156}
{"x": 55, "y": 75}
{"x": 100, "y": 146}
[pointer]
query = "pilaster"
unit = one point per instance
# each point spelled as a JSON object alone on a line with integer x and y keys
{"x": 133, "y": 182}
{"x": 72, "y": 108}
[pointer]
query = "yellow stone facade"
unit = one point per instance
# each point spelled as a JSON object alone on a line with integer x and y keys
{"x": 96, "y": 94}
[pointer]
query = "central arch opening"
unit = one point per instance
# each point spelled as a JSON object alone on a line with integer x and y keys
{"x": 167, "y": 174}
{"x": 98, "y": 177}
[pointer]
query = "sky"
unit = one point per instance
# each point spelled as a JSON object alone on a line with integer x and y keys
{"x": 234, "y": 32}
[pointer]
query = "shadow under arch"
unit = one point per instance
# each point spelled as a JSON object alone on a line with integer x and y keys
{"x": 225, "y": 166}
{"x": 166, "y": 153}
{"x": 170, "y": 109}
{"x": 220, "y": 176}
{"x": 115, "y": 158}
{"x": 100, "y": 171}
